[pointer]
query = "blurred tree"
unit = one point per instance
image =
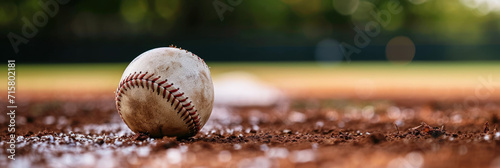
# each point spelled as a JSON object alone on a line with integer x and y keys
{"x": 89, "y": 30}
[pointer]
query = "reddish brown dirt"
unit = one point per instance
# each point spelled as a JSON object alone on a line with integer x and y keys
{"x": 303, "y": 133}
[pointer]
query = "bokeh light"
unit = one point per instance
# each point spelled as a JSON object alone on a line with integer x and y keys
{"x": 346, "y": 7}
{"x": 449, "y": 22}
{"x": 8, "y": 12}
{"x": 296, "y": 26}
{"x": 483, "y": 7}
{"x": 133, "y": 11}
{"x": 400, "y": 50}
{"x": 167, "y": 8}
{"x": 362, "y": 15}
{"x": 397, "y": 19}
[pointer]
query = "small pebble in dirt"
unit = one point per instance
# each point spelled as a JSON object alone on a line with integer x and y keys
{"x": 237, "y": 146}
{"x": 140, "y": 137}
{"x": 319, "y": 124}
{"x": 229, "y": 131}
{"x": 260, "y": 162}
{"x": 486, "y": 137}
{"x": 303, "y": 156}
{"x": 165, "y": 145}
{"x": 296, "y": 116}
{"x": 183, "y": 148}
{"x": 315, "y": 146}
{"x": 341, "y": 124}
{"x": 277, "y": 153}
{"x": 255, "y": 128}
{"x": 118, "y": 142}
{"x": 224, "y": 156}
{"x": 264, "y": 147}
{"x": 49, "y": 120}
{"x": 399, "y": 123}
{"x": 174, "y": 156}
{"x": 462, "y": 150}
{"x": 143, "y": 151}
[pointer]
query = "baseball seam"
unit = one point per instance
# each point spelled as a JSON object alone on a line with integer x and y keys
{"x": 176, "y": 98}
{"x": 192, "y": 54}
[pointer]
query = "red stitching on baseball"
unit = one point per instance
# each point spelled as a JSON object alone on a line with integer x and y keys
{"x": 184, "y": 113}
{"x": 142, "y": 76}
{"x": 183, "y": 100}
{"x": 130, "y": 76}
{"x": 149, "y": 76}
{"x": 162, "y": 82}
{"x": 155, "y": 79}
{"x": 164, "y": 92}
{"x": 127, "y": 86}
{"x": 177, "y": 105}
{"x": 179, "y": 95}
{"x": 133, "y": 80}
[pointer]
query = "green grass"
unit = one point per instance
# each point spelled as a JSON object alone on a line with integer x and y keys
{"x": 106, "y": 76}
{"x": 216, "y": 67}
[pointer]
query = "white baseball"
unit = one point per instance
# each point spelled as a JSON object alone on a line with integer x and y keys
{"x": 166, "y": 92}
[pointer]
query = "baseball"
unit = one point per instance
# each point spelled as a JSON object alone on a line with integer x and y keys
{"x": 165, "y": 92}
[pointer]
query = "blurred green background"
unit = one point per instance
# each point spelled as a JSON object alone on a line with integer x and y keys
{"x": 252, "y": 30}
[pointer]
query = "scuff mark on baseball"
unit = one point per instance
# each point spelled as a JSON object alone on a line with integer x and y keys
{"x": 165, "y": 92}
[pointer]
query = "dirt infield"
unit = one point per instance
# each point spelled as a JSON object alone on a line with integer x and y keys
{"x": 425, "y": 115}
{"x": 298, "y": 133}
